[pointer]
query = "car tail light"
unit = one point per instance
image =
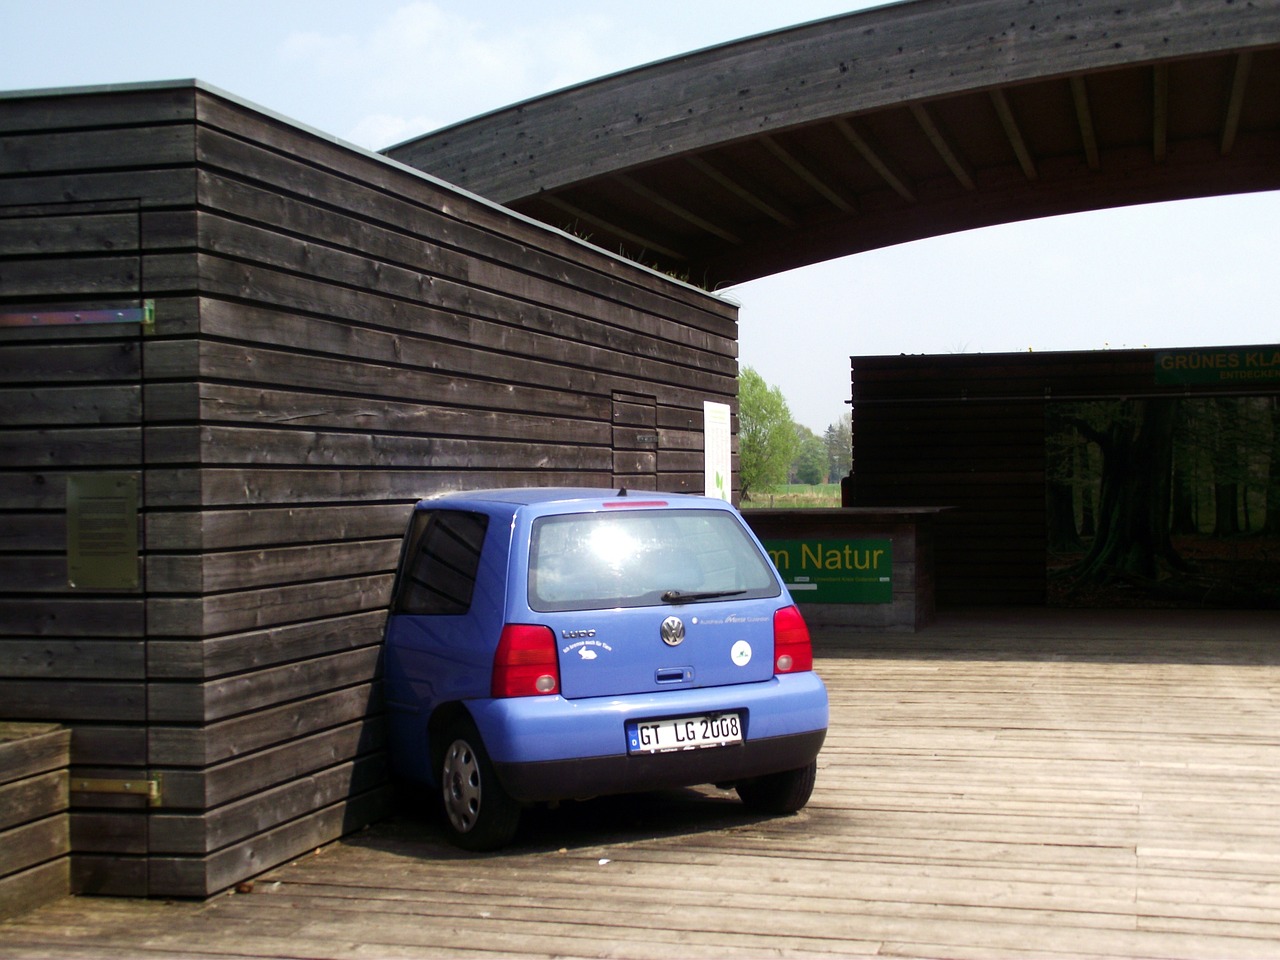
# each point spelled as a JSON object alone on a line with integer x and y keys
{"x": 525, "y": 664}
{"x": 792, "y": 648}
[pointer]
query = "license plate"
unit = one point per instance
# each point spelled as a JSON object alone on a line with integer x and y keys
{"x": 683, "y": 733}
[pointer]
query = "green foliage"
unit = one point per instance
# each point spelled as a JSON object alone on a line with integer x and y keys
{"x": 839, "y": 448}
{"x": 773, "y": 450}
{"x": 767, "y": 441}
{"x": 810, "y": 463}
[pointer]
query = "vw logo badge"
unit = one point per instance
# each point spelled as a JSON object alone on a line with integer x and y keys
{"x": 672, "y": 631}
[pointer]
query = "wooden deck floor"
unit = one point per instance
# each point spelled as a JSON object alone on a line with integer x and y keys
{"x": 1081, "y": 786}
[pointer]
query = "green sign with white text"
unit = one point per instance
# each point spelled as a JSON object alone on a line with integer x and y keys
{"x": 835, "y": 570}
{"x": 1209, "y": 365}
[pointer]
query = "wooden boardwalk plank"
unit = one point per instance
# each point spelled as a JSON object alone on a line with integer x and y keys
{"x": 1004, "y": 800}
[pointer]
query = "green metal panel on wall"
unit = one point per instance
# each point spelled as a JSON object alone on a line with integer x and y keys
{"x": 102, "y": 531}
{"x": 835, "y": 570}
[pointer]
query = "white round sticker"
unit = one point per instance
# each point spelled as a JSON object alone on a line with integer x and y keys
{"x": 741, "y": 653}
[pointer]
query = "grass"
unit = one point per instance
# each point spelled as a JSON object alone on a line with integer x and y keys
{"x": 796, "y": 496}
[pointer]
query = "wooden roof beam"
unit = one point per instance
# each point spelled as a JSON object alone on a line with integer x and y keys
{"x": 872, "y": 156}
{"x": 1235, "y": 105}
{"x": 1084, "y": 118}
{"x": 948, "y": 153}
{"x": 669, "y": 205}
{"x": 805, "y": 174}
{"x": 642, "y": 243}
{"x": 747, "y": 195}
{"x": 1014, "y": 134}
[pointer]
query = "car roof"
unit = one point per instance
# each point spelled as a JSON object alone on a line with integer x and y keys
{"x": 522, "y": 496}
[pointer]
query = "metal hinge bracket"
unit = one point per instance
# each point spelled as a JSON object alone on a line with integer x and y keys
{"x": 151, "y": 789}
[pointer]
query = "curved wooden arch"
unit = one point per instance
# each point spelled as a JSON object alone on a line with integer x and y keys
{"x": 888, "y": 125}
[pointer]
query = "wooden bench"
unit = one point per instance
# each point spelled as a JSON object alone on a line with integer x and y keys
{"x": 34, "y": 824}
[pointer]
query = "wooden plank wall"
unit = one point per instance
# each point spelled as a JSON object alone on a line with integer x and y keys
{"x": 71, "y": 404}
{"x": 967, "y": 431}
{"x": 335, "y": 337}
{"x": 35, "y": 835}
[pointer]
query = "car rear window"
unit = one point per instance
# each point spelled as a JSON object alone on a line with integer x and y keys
{"x": 439, "y": 569}
{"x": 638, "y": 558}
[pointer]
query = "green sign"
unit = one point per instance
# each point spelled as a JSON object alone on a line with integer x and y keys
{"x": 835, "y": 571}
{"x": 1207, "y": 365}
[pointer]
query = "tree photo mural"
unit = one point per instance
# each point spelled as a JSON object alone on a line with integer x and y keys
{"x": 1164, "y": 501}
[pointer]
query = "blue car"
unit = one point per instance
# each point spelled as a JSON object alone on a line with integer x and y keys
{"x": 552, "y": 644}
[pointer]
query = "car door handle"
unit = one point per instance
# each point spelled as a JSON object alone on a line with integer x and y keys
{"x": 674, "y": 675}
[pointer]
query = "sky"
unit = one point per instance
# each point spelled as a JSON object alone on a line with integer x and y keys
{"x": 378, "y": 72}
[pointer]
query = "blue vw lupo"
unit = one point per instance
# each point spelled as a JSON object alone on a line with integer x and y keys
{"x": 549, "y": 644}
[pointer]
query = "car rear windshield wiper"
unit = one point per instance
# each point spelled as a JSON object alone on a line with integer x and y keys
{"x": 692, "y": 596}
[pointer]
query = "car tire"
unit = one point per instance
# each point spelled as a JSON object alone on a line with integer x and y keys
{"x": 779, "y": 793}
{"x": 478, "y": 813}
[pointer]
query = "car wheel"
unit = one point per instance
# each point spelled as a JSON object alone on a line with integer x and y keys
{"x": 784, "y": 792}
{"x": 479, "y": 814}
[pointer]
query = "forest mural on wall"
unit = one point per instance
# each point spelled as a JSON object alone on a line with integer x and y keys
{"x": 1164, "y": 501}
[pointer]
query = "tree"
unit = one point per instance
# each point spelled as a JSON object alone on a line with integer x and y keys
{"x": 810, "y": 463}
{"x": 1136, "y": 441}
{"x": 839, "y": 442}
{"x": 766, "y": 438}
{"x": 1225, "y": 455}
{"x": 1062, "y": 461}
{"x": 1271, "y": 523}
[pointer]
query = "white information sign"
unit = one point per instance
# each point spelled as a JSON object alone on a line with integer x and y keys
{"x": 717, "y": 438}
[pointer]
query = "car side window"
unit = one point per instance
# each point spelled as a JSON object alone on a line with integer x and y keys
{"x": 439, "y": 569}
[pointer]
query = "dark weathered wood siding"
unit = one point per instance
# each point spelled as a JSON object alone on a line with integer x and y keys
{"x": 919, "y": 441}
{"x": 335, "y": 337}
{"x": 968, "y": 431}
{"x": 35, "y": 835}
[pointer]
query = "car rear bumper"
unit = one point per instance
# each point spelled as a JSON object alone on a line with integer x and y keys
{"x": 598, "y": 776}
{"x": 547, "y": 748}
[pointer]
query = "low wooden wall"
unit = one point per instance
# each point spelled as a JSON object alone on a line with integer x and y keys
{"x": 909, "y": 532}
{"x": 35, "y": 836}
{"x": 291, "y": 342}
